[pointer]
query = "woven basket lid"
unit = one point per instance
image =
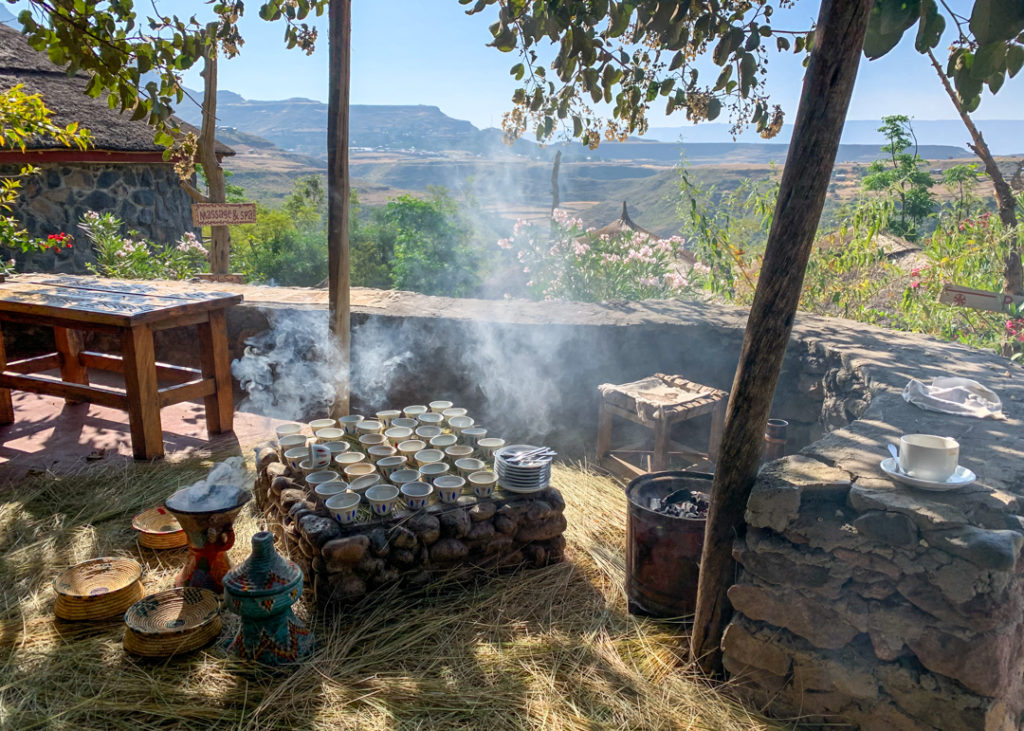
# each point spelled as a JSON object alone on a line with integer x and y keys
{"x": 156, "y": 521}
{"x": 265, "y": 572}
{"x": 172, "y": 612}
{"x": 97, "y": 577}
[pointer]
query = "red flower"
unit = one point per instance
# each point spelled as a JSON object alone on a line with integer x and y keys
{"x": 915, "y": 285}
{"x": 915, "y": 272}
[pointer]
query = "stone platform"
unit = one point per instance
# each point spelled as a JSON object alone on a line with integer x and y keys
{"x": 343, "y": 563}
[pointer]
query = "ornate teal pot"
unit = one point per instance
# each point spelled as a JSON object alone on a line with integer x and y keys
{"x": 262, "y": 591}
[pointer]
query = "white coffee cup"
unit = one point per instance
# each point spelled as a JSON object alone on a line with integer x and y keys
{"x": 320, "y": 455}
{"x": 928, "y": 457}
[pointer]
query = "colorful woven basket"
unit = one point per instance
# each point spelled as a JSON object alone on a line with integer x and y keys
{"x": 98, "y": 589}
{"x": 172, "y": 622}
{"x": 159, "y": 529}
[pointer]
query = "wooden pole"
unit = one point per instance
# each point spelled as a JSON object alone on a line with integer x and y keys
{"x": 220, "y": 236}
{"x": 340, "y": 37}
{"x": 828, "y": 84}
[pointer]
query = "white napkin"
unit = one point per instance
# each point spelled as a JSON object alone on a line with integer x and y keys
{"x": 954, "y": 395}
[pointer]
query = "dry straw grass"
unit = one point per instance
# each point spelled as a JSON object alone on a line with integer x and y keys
{"x": 551, "y": 648}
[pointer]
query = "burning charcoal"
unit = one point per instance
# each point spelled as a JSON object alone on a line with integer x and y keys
{"x": 693, "y": 505}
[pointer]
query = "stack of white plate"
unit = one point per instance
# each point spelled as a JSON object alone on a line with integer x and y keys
{"x": 530, "y": 476}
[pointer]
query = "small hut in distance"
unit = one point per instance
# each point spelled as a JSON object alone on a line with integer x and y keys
{"x": 624, "y": 223}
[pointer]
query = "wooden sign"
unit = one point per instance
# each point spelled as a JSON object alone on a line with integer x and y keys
{"x": 978, "y": 299}
{"x": 223, "y": 214}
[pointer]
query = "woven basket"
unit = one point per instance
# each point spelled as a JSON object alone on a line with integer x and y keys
{"x": 98, "y": 589}
{"x": 171, "y": 622}
{"x": 159, "y": 529}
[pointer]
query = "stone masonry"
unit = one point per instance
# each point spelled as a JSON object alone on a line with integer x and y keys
{"x": 867, "y": 602}
{"x": 145, "y": 196}
{"x": 343, "y": 563}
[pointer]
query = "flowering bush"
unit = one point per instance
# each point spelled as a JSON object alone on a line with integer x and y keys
{"x": 566, "y": 261}
{"x": 131, "y": 257}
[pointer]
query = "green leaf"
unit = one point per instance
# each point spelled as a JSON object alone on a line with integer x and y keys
{"x": 887, "y": 23}
{"x": 722, "y": 50}
{"x": 995, "y": 81}
{"x": 996, "y": 20}
{"x": 1014, "y": 59}
{"x": 988, "y": 59}
{"x": 930, "y": 29}
{"x": 968, "y": 88}
{"x": 518, "y": 71}
{"x": 619, "y": 15}
{"x": 714, "y": 108}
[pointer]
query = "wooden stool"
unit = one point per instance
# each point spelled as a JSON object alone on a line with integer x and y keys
{"x": 658, "y": 402}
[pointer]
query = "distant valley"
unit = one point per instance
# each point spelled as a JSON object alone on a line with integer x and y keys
{"x": 406, "y": 149}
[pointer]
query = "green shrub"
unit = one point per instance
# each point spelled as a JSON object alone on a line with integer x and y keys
{"x": 133, "y": 257}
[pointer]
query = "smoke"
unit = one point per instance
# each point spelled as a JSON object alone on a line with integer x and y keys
{"x": 225, "y": 485}
{"x": 290, "y": 370}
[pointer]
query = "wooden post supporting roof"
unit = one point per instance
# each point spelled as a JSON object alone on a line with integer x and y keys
{"x": 828, "y": 84}
{"x": 340, "y": 37}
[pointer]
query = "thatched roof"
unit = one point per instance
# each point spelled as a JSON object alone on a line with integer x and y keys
{"x": 111, "y": 131}
{"x": 624, "y": 223}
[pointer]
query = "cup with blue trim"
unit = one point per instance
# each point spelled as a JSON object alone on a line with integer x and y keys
{"x": 343, "y": 507}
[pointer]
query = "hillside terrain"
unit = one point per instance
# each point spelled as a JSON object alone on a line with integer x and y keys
{"x": 398, "y": 150}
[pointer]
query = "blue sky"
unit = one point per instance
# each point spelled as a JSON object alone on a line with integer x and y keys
{"x": 431, "y": 52}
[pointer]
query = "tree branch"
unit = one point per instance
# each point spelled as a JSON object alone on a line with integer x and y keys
{"x": 193, "y": 192}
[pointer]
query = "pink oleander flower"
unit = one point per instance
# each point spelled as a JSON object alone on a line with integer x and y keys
{"x": 675, "y": 280}
{"x": 92, "y": 216}
{"x": 651, "y": 281}
{"x": 701, "y": 268}
{"x": 505, "y": 243}
{"x": 580, "y": 248}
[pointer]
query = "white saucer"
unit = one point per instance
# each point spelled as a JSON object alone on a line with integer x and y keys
{"x": 961, "y": 478}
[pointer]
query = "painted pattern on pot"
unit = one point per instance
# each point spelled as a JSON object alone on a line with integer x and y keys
{"x": 262, "y": 591}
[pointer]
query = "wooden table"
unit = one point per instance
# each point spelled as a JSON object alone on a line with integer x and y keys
{"x": 132, "y": 311}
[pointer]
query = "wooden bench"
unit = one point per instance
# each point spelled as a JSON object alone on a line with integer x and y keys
{"x": 657, "y": 403}
{"x": 133, "y": 311}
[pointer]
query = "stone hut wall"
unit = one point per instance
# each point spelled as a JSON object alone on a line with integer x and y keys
{"x": 145, "y": 196}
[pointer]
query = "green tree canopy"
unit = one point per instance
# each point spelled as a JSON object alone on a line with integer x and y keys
{"x": 138, "y": 59}
{"x": 902, "y": 177}
{"x": 632, "y": 54}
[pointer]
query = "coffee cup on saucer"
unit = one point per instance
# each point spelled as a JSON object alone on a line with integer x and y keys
{"x": 928, "y": 457}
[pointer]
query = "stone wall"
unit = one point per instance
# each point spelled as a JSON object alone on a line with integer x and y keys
{"x": 145, "y": 196}
{"x": 531, "y": 368}
{"x": 867, "y": 602}
{"x": 343, "y": 563}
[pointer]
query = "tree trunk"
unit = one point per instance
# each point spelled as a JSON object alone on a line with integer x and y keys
{"x": 555, "y": 202}
{"x": 828, "y": 84}
{"x": 340, "y": 36}
{"x": 220, "y": 236}
{"x": 1012, "y": 273}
